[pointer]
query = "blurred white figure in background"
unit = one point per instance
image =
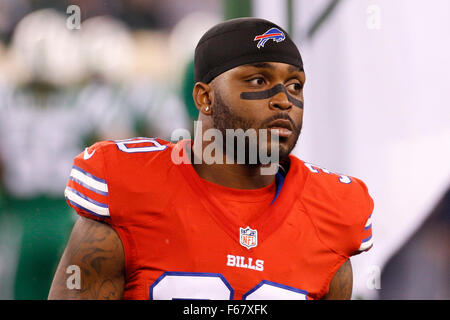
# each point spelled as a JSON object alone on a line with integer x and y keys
{"x": 38, "y": 133}
{"x": 49, "y": 50}
{"x": 62, "y": 90}
{"x": 51, "y": 117}
{"x": 151, "y": 59}
{"x": 185, "y": 36}
{"x": 107, "y": 48}
{"x": 130, "y": 90}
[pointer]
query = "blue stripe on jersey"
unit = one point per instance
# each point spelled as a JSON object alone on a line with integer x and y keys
{"x": 85, "y": 209}
{"x": 367, "y": 239}
{"x": 88, "y": 174}
{"x": 81, "y": 183}
{"x": 103, "y": 205}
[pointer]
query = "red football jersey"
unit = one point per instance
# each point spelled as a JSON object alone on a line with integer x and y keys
{"x": 181, "y": 242}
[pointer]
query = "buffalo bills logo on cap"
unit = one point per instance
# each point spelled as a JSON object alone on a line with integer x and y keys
{"x": 274, "y": 33}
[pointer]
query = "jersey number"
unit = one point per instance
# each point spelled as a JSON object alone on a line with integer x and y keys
{"x": 205, "y": 286}
{"x": 128, "y": 145}
{"x": 317, "y": 169}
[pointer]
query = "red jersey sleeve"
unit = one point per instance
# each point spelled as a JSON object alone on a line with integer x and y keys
{"x": 362, "y": 239}
{"x": 87, "y": 188}
{"x": 341, "y": 210}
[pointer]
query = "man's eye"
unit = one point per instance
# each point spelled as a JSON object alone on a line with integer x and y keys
{"x": 295, "y": 87}
{"x": 257, "y": 81}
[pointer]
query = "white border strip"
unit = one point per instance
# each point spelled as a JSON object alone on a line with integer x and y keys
{"x": 97, "y": 185}
{"x": 86, "y": 204}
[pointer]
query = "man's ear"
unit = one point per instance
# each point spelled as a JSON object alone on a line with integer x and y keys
{"x": 202, "y": 97}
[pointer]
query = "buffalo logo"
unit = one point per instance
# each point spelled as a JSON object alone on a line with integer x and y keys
{"x": 274, "y": 33}
{"x": 248, "y": 237}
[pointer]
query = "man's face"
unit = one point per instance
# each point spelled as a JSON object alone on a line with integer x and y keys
{"x": 265, "y": 110}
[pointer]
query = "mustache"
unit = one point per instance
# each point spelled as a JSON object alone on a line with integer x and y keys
{"x": 278, "y": 116}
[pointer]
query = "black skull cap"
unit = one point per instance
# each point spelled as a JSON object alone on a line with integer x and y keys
{"x": 241, "y": 41}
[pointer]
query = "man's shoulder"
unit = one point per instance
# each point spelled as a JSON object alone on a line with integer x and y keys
{"x": 323, "y": 182}
{"x": 118, "y": 155}
{"x": 339, "y": 205}
{"x": 138, "y": 146}
{"x": 109, "y": 174}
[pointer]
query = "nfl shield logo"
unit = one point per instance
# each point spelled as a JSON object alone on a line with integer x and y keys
{"x": 248, "y": 237}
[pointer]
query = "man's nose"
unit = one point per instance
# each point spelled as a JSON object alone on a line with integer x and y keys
{"x": 280, "y": 101}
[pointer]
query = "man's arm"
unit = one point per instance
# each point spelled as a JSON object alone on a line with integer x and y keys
{"x": 96, "y": 249}
{"x": 342, "y": 283}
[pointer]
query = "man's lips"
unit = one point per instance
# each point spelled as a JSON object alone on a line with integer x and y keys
{"x": 283, "y": 127}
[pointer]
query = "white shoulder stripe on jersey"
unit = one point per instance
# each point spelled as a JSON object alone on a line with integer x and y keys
{"x": 366, "y": 244}
{"x": 89, "y": 181}
{"x": 369, "y": 222}
{"x": 84, "y": 203}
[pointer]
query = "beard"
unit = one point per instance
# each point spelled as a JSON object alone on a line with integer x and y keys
{"x": 224, "y": 120}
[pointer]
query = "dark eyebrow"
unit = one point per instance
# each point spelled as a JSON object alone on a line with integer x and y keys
{"x": 268, "y": 65}
{"x": 293, "y": 68}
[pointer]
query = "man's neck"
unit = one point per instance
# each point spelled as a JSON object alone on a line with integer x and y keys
{"x": 231, "y": 175}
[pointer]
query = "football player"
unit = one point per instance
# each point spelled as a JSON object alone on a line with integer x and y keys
{"x": 161, "y": 221}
